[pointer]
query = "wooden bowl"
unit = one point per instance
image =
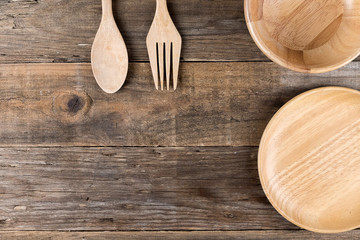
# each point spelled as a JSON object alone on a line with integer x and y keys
{"x": 306, "y": 35}
{"x": 309, "y": 160}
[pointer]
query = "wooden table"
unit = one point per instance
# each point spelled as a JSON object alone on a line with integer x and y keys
{"x": 76, "y": 163}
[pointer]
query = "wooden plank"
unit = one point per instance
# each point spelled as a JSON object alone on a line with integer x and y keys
{"x": 33, "y": 31}
{"x": 132, "y": 189}
{"x": 251, "y": 235}
{"x": 217, "y": 104}
{"x": 63, "y": 31}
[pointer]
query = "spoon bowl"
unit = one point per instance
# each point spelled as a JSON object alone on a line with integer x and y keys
{"x": 109, "y": 57}
{"x": 305, "y": 35}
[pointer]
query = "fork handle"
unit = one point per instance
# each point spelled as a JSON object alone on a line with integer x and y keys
{"x": 107, "y": 9}
{"x": 161, "y": 5}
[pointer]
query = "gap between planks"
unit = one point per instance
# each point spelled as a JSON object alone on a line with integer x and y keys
{"x": 210, "y": 235}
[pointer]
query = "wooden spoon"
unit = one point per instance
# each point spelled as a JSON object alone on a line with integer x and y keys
{"x": 109, "y": 57}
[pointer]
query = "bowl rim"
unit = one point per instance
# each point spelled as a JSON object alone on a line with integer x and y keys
{"x": 280, "y": 61}
{"x": 260, "y": 157}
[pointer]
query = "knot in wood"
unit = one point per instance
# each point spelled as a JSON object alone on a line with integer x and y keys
{"x": 75, "y": 104}
{"x": 71, "y": 105}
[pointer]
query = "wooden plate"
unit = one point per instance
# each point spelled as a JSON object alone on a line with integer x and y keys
{"x": 306, "y": 35}
{"x": 309, "y": 160}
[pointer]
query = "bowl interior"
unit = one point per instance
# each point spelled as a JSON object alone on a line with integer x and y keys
{"x": 306, "y": 35}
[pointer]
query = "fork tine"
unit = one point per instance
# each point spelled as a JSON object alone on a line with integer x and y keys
{"x": 168, "y": 63}
{"x": 152, "y": 50}
{"x": 161, "y": 63}
{"x": 176, "y": 50}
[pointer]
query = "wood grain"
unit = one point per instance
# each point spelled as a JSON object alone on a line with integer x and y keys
{"x": 87, "y": 187}
{"x": 133, "y": 189}
{"x": 63, "y": 30}
{"x": 211, "y": 235}
{"x": 309, "y": 160}
{"x": 217, "y": 104}
{"x": 306, "y": 36}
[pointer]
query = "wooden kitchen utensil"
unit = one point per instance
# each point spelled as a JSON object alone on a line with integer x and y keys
{"x": 309, "y": 160}
{"x": 109, "y": 57}
{"x": 164, "y": 47}
{"x": 305, "y": 35}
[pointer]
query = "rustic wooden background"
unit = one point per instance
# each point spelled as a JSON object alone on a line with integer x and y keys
{"x": 76, "y": 163}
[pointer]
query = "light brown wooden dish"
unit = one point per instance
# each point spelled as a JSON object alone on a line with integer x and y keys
{"x": 305, "y": 35}
{"x": 309, "y": 160}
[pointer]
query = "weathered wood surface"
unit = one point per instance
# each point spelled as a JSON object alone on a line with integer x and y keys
{"x": 123, "y": 189}
{"x": 211, "y": 235}
{"x": 55, "y": 174}
{"x": 63, "y": 30}
{"x": 217, "y": 104}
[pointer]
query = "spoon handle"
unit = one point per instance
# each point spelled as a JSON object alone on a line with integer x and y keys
{"x": 106, "y": 9}
{"x": 161, "y": 5}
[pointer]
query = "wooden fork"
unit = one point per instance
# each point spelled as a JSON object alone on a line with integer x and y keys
{"x": 164, "y": 47}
